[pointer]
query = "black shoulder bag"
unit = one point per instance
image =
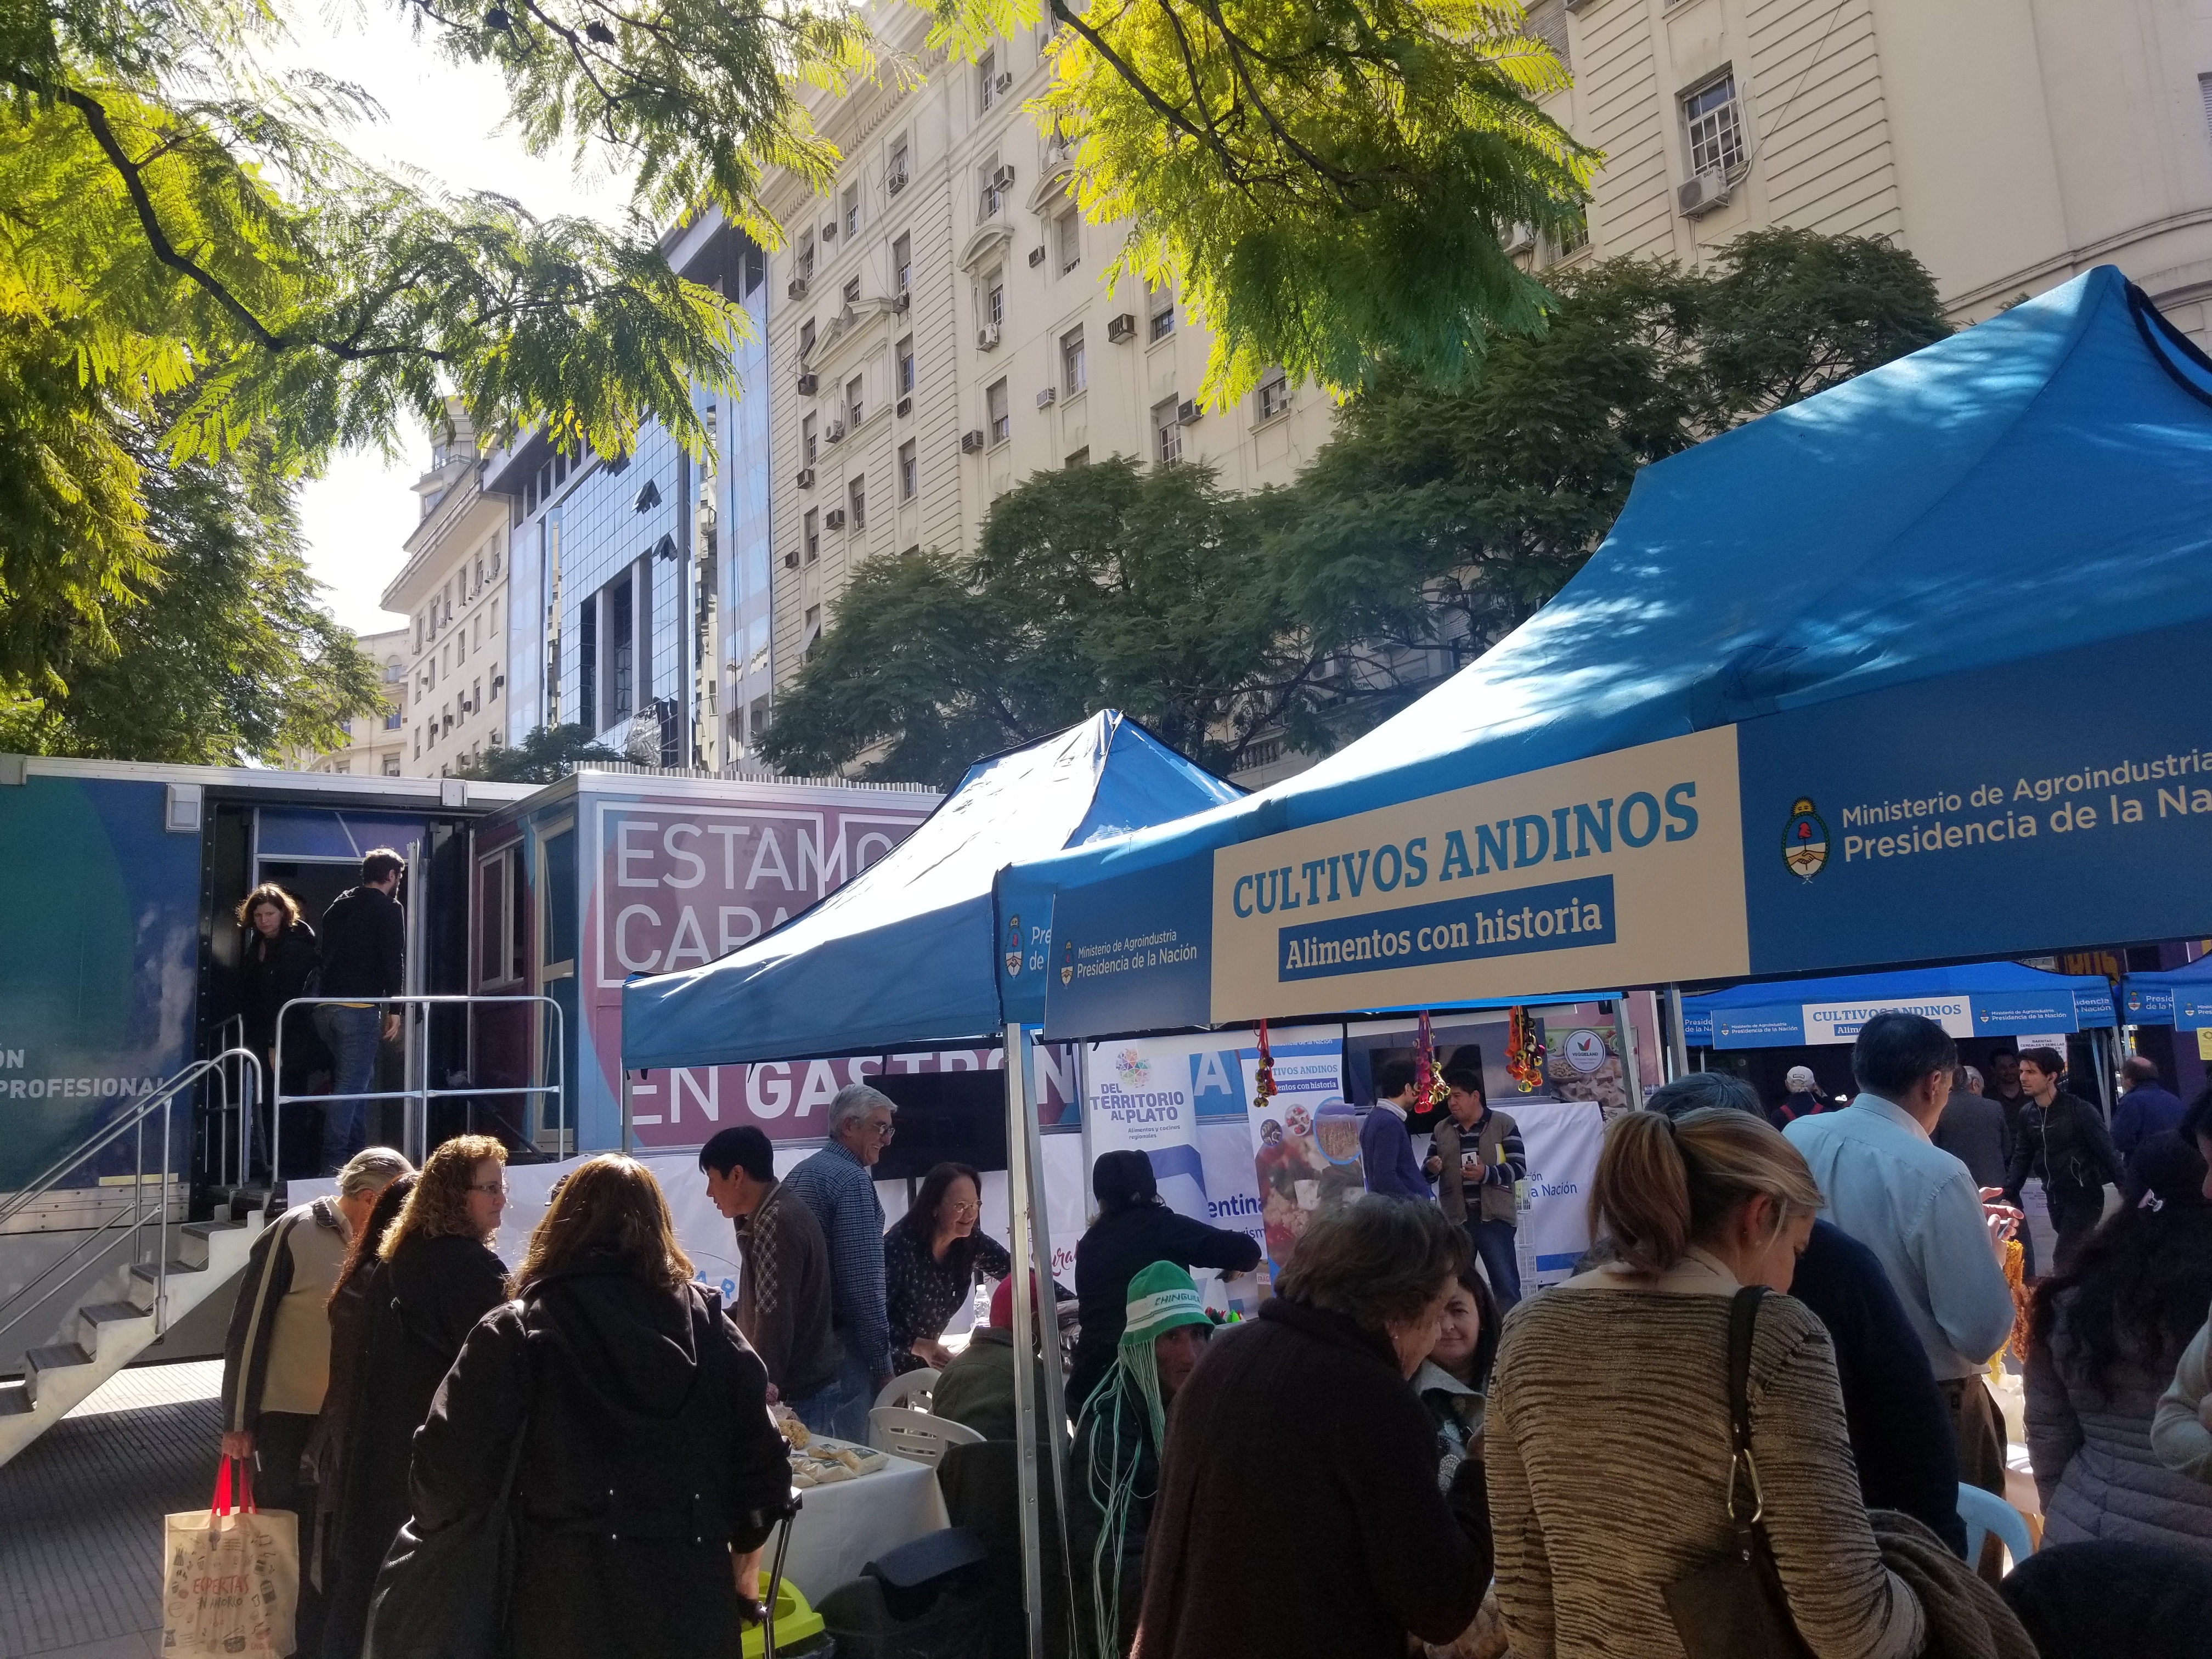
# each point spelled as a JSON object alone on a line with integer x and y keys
{"x": 1735, "y": 1609}
{"x": 443, "y": 1595}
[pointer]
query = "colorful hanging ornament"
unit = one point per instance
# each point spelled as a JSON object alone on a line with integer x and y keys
{"x": 1428, "y": 1076}
{"x": 1263, "y": 1089}
{"x": 1524, "y": 1059}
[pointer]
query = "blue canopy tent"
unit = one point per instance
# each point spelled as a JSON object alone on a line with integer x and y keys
{"x": 1980, "y": 998}
{"x": 2180, "y": 997}
{"x": 1836, "y": 692}
{"x": 902, "y": 958}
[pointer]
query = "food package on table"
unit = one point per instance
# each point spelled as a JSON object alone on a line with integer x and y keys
{"x": 795, "y": 1433}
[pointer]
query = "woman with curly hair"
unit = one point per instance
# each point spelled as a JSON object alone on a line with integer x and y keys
{"x": 437, "y": 1276}
{"x": 2103, "y": 1340}
{"x": 635, "y": 1419}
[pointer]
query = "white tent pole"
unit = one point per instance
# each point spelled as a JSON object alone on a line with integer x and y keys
{"x": 1056, "y": 1385}
{"x": 1021, "y": 1203}
{"x": 1678, "y": 1042}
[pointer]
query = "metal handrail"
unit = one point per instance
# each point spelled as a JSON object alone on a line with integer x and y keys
{"x": 417, "y": 1128}
{"x": 159, "y": 1099}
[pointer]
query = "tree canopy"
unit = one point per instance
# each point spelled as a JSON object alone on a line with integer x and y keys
{"x": 546, "y": 755}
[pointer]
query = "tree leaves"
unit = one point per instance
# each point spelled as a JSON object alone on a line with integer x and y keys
{"x": 546, "y": 755}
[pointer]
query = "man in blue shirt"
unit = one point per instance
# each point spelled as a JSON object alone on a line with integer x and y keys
{"x": 1385, "y": 1147}
{"x": 2146, "y": 1109}
{"x": 836, "y": 1184}
{"x": 1917, "y": 1207}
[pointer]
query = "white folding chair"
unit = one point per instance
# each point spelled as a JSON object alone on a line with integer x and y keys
{"x": 904, "y": 1432}
{"x": 910, "y": 1389}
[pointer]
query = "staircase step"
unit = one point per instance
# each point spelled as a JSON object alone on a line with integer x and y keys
{"x": 143, "y": 1279}
{"x": 15, "y": 1400}
{"x": 207, "y": 1229}
{"x": 129, "y": 1323}
{"x": 108, "y": 1313}
{"x": 42, "y": 1362}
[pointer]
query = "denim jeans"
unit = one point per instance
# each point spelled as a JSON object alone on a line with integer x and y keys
{"x": 1493, "y": 1242}
{"x": 818, "y": 1411}
{"x": 353, "y": 1036}
{"x": 856, "y": 1390}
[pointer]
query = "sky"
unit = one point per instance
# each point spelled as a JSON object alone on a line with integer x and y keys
{"x": 448, "y": 121}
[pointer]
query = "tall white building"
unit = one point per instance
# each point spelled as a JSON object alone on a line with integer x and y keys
{"x": 940, "y": 329}
{"x": 375, "y": 744}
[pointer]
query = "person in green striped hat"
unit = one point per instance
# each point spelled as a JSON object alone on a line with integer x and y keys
{"x": 1114, "y": 1474}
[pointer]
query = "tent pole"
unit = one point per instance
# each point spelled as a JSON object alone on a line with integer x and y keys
{"x": 1624, "y": 1029}
{"x": 2105, "y": 1054}
{"x": 1022, "y": 1214}
{"x": 1055, "y": 1404}
{"x": 1678, "y": 1044}
{"x": 625, "y": 1112}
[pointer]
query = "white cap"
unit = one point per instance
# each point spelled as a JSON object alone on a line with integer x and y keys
{"x": 1799, "y": 1080}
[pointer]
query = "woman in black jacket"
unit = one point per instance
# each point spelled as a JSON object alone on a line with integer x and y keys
{"x": 2062, "y": 1139}
{"x": 1134, "y": 1229}
{"x": 279, "y": 956}
{"x": 438, "y": 1277}
{"x": 647, "y": 1469}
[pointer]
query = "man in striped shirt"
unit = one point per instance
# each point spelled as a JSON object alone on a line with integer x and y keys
{"x": 836, "y": 1184}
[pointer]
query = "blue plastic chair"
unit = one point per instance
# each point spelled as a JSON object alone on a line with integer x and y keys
{"x": 1985, "y": 1513}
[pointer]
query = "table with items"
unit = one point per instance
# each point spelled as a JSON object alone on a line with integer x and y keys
{"x": 856, "y": 1504}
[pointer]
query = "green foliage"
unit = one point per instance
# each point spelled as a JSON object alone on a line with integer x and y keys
{"x": 545, "y": 755}
{"x": 1440, "y": 517}
{"x": 1107, "y": 585}
{"x": 224, "y": 656}
{"x": 1330, "y": 182}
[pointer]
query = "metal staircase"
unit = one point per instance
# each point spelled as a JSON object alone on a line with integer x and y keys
{"x": 172, "y": 1265}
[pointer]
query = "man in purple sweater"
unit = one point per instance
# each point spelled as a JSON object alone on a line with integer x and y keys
{"x": 1385, "y": 1145}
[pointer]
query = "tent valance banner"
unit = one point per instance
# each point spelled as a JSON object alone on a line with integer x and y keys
{"x": 1995, "y": 998}
{"x": 2181, "y": 997}
{"x": 1563, "y": 1139}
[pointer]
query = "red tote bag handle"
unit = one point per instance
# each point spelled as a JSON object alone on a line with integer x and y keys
{"x": 221, "y": 1503}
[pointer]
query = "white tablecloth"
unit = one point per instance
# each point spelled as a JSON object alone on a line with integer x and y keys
{"x": 848, "y": 1524}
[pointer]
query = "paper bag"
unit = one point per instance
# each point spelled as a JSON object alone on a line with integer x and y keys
{"x": 231, "y": 1582}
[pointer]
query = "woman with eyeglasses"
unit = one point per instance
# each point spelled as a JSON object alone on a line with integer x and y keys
{"x": 439, "y": 1276}
{"x": 932, "y": 1255}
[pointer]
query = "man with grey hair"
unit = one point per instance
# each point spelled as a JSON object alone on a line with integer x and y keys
{"x": 276, "y": 1358}
{"x": 835, "y": 1185}
{"x": 1900, "y": 1425}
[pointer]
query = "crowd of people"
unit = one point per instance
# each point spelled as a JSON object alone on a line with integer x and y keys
{"x": 1775, "y": 1356}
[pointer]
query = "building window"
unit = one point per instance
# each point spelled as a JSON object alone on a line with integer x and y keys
{"x": 986, "y": 184}
{"x": 851, "y": 209}
{"x": 853, "y": 390}
{"x": 1274, "y": 394}
{"x": 909, "y": 472}
{"x": 813, "y": 534}
{"x": 809, "y": 441}
{"x": 814, "y": 626}
{"x": 1081, "y": 457}
{"x": 587, "y": 664}
{"x": 986, "y": 75}
{"x": 857, "y": 493}
{"x": 1167, "y": 432}
{"x": 1547, "y": 21}
{"x": 621, "y": 653}
{"x": 392, "y": 766}
{"x": 391, "y": 719}
{"x": 1071, "y": 362}
{"x": 897, "y": 174}
{"x": 806, "y": 339}
{"x": 906, "y": 365}
{"x": 1715, "y": 128}
{"x": 1162, "y": 313}
{"x": 806, "y": 254}
{"x": 995, "y": 299}
{"x": 1001, "y": 424}
{"x": 1068, "y": 230}
{"x": 496, "y": 678}
{"x": 903, "y": 255}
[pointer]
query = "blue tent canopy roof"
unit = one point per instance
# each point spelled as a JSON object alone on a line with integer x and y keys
{"x": 904, "y": 955}
{"x": 1981, "y": 999}
{"x": 2153, "y": 998}
{"x": 2033, "y": 487}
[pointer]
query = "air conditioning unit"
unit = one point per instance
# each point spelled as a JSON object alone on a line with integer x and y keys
{"x": 806, "y": 478}
{"x": 498, "y": 680}
{"x": 1122, "y": 328}
{"x": 895, "y": 184}
{"x": 830, "y": 231}
{"x": 1036, "y": 257}
{"x": 1005, "y": 82}
{"x": 807, "y": 383}
{"x": 835, "y": 432}
{"x": 1703, "y": 194}
{"x": 1522, "y": 238}
{"x": 971, "y": 443}
{"x": 1187, "y": 413}
{"x": 1003, "y": 180}
{"x": 987, "y": 338}
{"x": 797, "y": 290}
{"x": 791, "y": 560}
{"x": 905, "y": 407}
{"x": 834, "y": 519}
{"x": 1049, "y": 397}
{"x": 902, "y": 300}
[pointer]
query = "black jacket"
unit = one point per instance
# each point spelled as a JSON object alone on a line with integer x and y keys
{"x": 434, "y": 1291}
{"x": 364, "y": 946}
{"x": 1900, "y": 1428}
{"x": 1121, "y": 1245}
{"x": 648, "y": 1456}
{"x": 271, "y": 973}
{"x": 2066, "y": 1144}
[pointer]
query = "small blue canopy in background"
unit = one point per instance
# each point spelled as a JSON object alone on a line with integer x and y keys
{"x": 1977, "y": 998}
{"x": 2180, "y": 997}
{"x": 905, "y": 956}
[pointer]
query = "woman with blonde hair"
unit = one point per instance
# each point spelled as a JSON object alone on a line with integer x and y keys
{"x": 632, "y": 1420}
{"x": 437, "y": 1276}
{"x": 276, "y": 958}
{"x": 1609, "y": 1442}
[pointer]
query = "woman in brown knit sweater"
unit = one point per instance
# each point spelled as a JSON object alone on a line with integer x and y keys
{"x": 1608, "y": 1431}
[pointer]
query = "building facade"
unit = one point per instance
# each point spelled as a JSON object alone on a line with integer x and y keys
{"x": 453, "y": 589}
{"x": 375, "y": 744}
{"x": 2011, "y": 145}
{"x": 942, "y": 329}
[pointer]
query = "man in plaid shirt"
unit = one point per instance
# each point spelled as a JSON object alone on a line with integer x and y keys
{"x": 783, "y": 1292}
{"x": 836, "y": 1185}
